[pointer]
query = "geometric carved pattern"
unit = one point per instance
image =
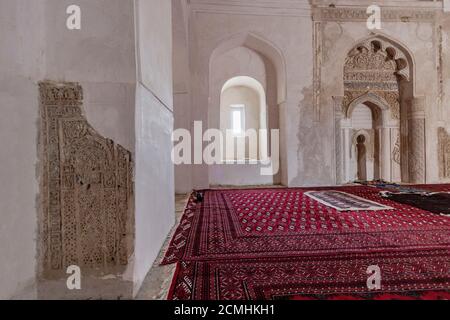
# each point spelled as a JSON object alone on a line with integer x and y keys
{"x": 338, "y": 138}
{"x": 416, "y": 156}
{"x": 444, "y": 153}
{"x": 317, "y": 68}
{"x": 374, "y": 68}
{"x": 87, "y": 187}
{"x": 360, "y": 14}
{"x": 396, "y": 152}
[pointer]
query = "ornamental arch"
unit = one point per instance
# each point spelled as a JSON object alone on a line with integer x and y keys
{"x": 379, "y": 73}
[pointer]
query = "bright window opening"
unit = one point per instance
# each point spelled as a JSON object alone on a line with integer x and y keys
{"x": 238, "y": 119}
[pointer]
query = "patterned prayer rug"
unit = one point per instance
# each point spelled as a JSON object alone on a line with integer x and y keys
{"x": 342, "y": 201}
{"x": 265, "y": 223}
{"x": 405, "y": 275}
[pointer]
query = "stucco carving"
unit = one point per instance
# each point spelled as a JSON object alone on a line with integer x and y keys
{"x": 87, "y": 187}
{"x": 396, "y": 152}
{"x": 444, "y": 153}
{"x": 360, "y": 14}
{"x": 317, "y": 68}
{"x": 374, "y": 68}
{"x": 416, "y": 140}
{"x": 416, "y": 157}
{"x": 338, "y": 116}
{"x": 440, "y": 69}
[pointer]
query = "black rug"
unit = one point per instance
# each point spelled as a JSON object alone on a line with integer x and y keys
{"x": 438, "y": 203}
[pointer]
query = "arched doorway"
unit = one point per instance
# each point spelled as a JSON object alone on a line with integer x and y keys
{"x": 243, "y": 114}
{"x": 239, "y": 56}
{"x": 378, "y": 74}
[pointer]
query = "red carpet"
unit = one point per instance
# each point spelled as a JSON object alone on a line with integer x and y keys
{"x": 295, "y": 245}
{"x": 338, "y": 275}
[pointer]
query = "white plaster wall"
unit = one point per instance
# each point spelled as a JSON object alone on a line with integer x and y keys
{"x": 122, "y": 43}
{"x": 101, "y": 56}
{"x": 240, "y": 61}
{"x": 155, "y": 192}
{"x": 182, "y": 113}
{"x": 287, "y": 32}
{"x": 21, "y": 64}
{"x": 249, "y": 174}
{"x": 418, "y": 38}
{"x": 36, "y": 45}
{"x": 18, "y": 215}
{"x": 308, "y": 149}
{"x": 102, "y": 51}
{"x": 181, "y": 86}
{"x": 240, "y": 95}
{"x": 122, "y": 56}
{"x": 362, "y": 117}
{"x": 109, "y": 107}
{"x": 155, "y": 211}
{"x": 155, "y": 48}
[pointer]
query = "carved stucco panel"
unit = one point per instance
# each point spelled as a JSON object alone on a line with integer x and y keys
{"x": 396, "y": 152}
{"x": 87, "y": 187}
{"x": 374, "y": 68}
{"x": 416, "y": 157}
{"x": 360, "y": 14}
{"x": 444, "y": 153}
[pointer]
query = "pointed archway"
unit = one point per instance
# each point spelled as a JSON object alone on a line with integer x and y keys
{"x": 269, "y": 68}
{"x": 380, "y": 72}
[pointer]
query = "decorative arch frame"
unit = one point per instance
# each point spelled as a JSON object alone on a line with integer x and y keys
{"x": 254, "y": 85}
{"x": 368, "y": 97}
{"x": 263, "y": 47}
{"x": 257, "y": 87}
{"x": 386, "y": 89}
{"x": 390, "y": 64}
{"x": 401, "y": 49}
{"x": 276, "y": 94}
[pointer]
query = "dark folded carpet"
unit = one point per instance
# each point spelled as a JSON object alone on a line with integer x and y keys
{"x": 438, "y": 203}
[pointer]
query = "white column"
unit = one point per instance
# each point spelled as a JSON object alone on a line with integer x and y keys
{"x": 339, "y": 139}
{"x": 385, "y": 154}
{"x": 347, "y": 152}
{"x": 416, "y": 141}
{"x": 396, "y": 169}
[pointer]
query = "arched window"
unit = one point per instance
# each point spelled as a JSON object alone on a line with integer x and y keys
{"x": 243, "y": 119}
